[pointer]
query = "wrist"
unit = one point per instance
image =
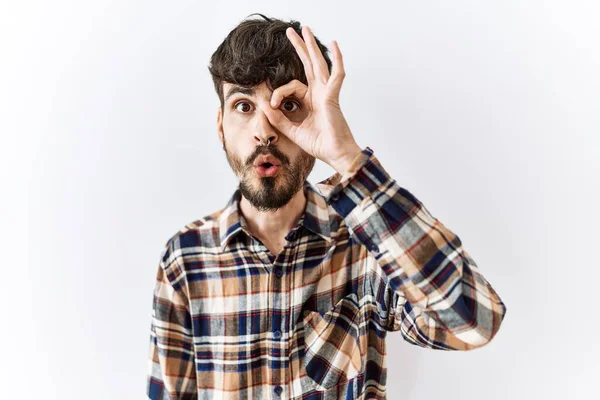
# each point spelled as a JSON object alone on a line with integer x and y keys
{"x": 343, "y": 162}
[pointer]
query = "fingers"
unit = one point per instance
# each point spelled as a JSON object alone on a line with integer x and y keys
{"x": 337, "y": 72}
{"x": 314, "y": 62}
{"x": 280, "y": 122}
{"x": 302, "y": 51}
{"x": 294, "y": 87}
{"x": 318, "y": 61}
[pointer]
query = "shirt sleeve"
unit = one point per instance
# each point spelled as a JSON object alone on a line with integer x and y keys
{"x": 434, "y": 292}
{"x": 171, "y": 362}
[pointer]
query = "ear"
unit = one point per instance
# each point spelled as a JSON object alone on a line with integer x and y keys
{"x": 220, "y": 124}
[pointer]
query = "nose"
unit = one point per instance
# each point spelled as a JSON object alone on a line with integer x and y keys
{"x": 265, "y": 132}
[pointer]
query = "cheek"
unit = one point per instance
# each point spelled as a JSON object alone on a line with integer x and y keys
{"x": 236, "y": 152}
{"x": 231, "y": 119}
{"x": 235, "y": 127}
{"x": 297, "y": 117}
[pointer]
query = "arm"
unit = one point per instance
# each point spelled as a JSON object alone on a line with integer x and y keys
{"x": 436, "y": 295}
{"x": 171, "y": 363}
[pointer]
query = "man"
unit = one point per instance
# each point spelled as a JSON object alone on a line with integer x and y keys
{"x": 289, "y": 290}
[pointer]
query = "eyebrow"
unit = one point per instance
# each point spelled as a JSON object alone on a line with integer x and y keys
{"x": 240, "y": 89}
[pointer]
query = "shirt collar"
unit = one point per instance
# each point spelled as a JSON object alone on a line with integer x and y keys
{"x": 318, "y": 217}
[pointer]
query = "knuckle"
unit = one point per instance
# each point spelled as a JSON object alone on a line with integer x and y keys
{"x": 297, "y": 82}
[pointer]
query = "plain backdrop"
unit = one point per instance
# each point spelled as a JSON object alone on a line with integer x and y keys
{"x": 488, "y": 112}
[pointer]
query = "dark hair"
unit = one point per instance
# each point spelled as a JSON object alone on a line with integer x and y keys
{"x": 258, "y": 51}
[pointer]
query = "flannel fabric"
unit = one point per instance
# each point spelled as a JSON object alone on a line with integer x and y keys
{"x": 230, "y": 320}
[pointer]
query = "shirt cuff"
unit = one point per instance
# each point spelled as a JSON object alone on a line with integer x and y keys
{"x": 364, "y": 176}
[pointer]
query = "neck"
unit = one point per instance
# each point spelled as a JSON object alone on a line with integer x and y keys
{"x": 272, "y": 226}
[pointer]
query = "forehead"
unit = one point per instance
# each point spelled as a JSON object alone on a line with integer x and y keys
{"x": 260, "y": 90}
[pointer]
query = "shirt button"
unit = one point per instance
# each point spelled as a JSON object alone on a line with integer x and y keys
{"x": 278, "y": 272}
{"x": 277, "y": 334}
{"x": 278, "y": 390}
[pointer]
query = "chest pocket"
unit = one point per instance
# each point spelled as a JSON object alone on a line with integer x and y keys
{"x": 332, "y": 345}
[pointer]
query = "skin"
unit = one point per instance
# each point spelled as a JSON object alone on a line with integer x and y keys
{"x": 303, "y": 123}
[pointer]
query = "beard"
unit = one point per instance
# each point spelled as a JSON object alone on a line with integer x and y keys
{"x": 273, "y": 192}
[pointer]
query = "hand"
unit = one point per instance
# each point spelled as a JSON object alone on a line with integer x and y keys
{"x": 324, "y": 133}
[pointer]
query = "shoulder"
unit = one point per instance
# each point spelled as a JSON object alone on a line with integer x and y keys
{"x": 194, "y": 237}
{"x": 186, "y": 250}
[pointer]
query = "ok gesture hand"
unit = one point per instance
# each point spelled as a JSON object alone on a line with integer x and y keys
{"x": 324, "y": 133}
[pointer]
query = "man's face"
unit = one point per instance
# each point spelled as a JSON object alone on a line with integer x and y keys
{"x": 242, "y": 127}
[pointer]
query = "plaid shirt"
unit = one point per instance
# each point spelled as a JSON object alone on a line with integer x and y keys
{"x": 230, "y": 320}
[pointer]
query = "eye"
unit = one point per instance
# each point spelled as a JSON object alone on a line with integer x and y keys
{"x": 246, "y": 109}
{"x": 285, "y": 102}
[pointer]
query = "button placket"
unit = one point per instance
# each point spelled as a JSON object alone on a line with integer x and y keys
{"x": 278, "y": 302}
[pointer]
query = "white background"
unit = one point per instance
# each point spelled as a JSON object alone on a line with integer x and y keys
{"x": 488, "y": 112}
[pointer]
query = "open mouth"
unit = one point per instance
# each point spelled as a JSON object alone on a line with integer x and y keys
{"x": 267, "y": 169}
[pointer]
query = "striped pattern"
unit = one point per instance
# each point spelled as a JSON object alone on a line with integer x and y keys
{"x": 230, "y": 320}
